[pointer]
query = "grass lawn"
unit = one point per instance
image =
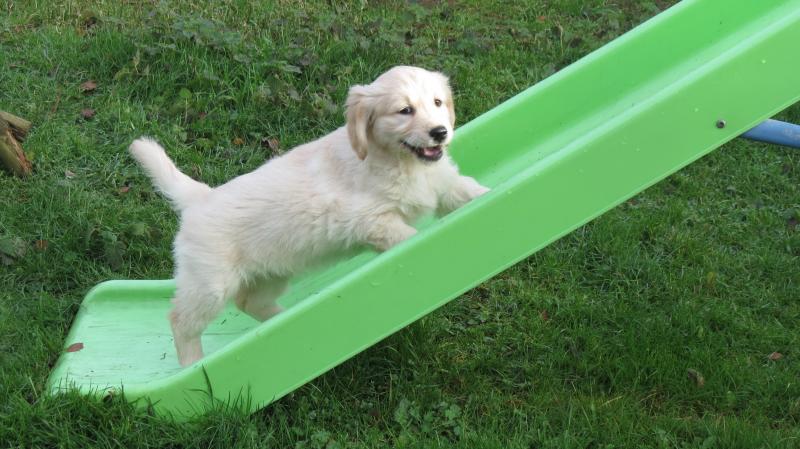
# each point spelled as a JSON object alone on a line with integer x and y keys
{"x": 586, "y": 344}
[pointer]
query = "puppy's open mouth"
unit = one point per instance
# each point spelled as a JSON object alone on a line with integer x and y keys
{"x": 425, "y": 153}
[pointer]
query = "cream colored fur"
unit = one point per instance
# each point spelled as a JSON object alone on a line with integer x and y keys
{"x": 364, "y": 183}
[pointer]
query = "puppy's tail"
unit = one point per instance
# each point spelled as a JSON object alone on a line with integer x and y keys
{"x": 181, "y": 190}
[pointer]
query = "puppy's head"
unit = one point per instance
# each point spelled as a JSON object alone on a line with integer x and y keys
{"x": 407, "y": 111}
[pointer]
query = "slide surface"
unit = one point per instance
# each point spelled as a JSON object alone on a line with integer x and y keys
{"x": 557, "y": 155}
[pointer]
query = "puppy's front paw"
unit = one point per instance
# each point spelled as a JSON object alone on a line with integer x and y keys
{"x": 479, "y": 190}
{"x": 473, "y": 188}
{"x": 389, "y": 232}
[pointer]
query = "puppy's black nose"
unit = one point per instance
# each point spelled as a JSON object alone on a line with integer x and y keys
{"x": 439, "y": 133}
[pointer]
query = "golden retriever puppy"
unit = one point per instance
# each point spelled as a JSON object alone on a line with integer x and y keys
{"x": 364, "y": 183}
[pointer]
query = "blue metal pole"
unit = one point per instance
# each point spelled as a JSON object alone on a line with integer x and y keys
{"x": 776, "y": 132}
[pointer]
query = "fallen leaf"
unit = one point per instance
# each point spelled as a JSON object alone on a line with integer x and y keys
{"x": 69, "y": 174}
{"x": 541, "y": 19}
{"x": 124, "y": 189}
{"x": 695, "y": 377}
{"x": 375, "y": 413}
{"x": 88, "y": 20}
{"x": 544, "y": 315}
{"x": 87, "y": 113}
{"x": 88, "y": 86}
{"x": 271, "y": 143}
{"x": 75, "y": 347}
{"x": 41, "y": 245}
{"x": 775, "y": 356}
{"x": 238, "y": 141}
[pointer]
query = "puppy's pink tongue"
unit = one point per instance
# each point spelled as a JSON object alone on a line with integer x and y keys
{"x": 432, "y": 151}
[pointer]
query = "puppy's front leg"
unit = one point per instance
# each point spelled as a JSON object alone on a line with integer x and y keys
{"x": 387, "y": 231}
{"x": 461, "y": 191}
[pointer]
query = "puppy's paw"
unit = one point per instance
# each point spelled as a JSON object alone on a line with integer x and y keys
{"x": 473, "y": 188}
{"x": 389, "y": 231}
{"x": 479, "y": 190}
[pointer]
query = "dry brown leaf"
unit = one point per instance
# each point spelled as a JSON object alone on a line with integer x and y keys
{"x": 87, "y": 113}
{"x": 124, "y": 189}
{"x": 88, "y": 86}
{"x": 270, "y": 142}
{"x": 696, "y": 377}
{"x": 41, "y": 245}
{"x": 775, "y": 356}
{"x": 238, "y": 141}
{"x": 75, "y": 347}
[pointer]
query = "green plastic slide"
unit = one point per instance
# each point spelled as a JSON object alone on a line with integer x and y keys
{"x": 557, "y": 155}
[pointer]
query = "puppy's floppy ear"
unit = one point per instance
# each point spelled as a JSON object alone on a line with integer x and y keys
{"x": 359, "y": 117}
{"x": 448, "y": 101}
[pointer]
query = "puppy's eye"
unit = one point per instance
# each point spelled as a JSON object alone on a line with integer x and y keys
{"x": 437, "y": 102}
{"x": 408, "y": 110}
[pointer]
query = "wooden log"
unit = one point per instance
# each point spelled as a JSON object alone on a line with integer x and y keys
{"x": 11, "y": 155}
{"x": 19, "y": 126}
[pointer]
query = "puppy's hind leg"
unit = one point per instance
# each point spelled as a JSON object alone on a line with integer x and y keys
{"x": 259, "y": 298}
{"x": 195, "y": 305}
